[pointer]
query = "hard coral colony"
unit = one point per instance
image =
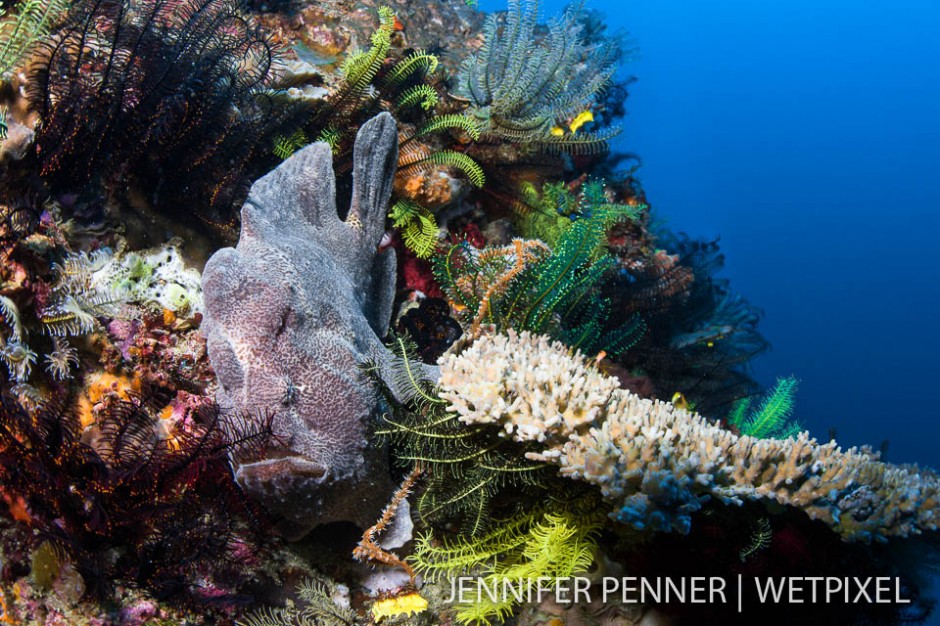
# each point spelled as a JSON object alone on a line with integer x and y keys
{"x": 452, "y": 283}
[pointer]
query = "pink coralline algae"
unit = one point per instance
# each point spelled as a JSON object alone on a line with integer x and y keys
{"x": 123, "y": 333}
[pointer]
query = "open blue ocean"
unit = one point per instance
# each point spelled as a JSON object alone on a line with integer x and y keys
{"x": 805, "y": 135}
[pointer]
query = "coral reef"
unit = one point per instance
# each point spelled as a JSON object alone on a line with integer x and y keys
{"x": 159, "y": 275}
{"x": 291, "y": 312}
{"x": 387, "y": 76}
{"x": 486, "y": 223}
{"x": 103, "y": 285}
{"x": 322, "y": 604}
{"x": 471, "y": 474}
{"x": 657, "y": 463}
{"x": 135, "y": 313}
{"x": 700, "y": 335}
{"x": 533, "y": 392}
{"x": 408, "y": 84}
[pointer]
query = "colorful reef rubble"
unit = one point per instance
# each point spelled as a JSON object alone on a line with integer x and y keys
{"x": 261, "y": 262}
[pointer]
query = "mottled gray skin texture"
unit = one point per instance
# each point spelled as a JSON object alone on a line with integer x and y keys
{"x": 291, "y": 312}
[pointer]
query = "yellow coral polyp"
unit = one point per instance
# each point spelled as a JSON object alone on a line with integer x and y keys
{"x": 408, "y": 604}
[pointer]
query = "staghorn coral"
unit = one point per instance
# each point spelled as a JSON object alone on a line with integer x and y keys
{"x": 292, "y": 312}
{"x": 536, "y": 394}
{"x": 658, "y": 464}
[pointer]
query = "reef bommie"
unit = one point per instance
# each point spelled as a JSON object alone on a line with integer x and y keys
{"x": 261, "y": 262}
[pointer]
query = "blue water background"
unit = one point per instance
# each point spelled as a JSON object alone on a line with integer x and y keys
{"x": 807, "y": 135}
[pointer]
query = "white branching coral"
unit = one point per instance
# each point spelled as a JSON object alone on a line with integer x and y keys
{"x": 658, "y": 463}
{"x": 534, "y": 391}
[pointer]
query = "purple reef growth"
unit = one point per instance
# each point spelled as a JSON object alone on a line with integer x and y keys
{"x": 292, "y": 312}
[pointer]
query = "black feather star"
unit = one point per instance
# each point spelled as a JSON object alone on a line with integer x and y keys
{"x": 168, "y": 97}
{"x": 131, "y": 499}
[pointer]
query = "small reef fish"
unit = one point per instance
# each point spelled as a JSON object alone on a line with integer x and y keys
{"x": 706, "y": 336}
{"x": 580, "y": 120}
{"x": 679, "y": 401}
